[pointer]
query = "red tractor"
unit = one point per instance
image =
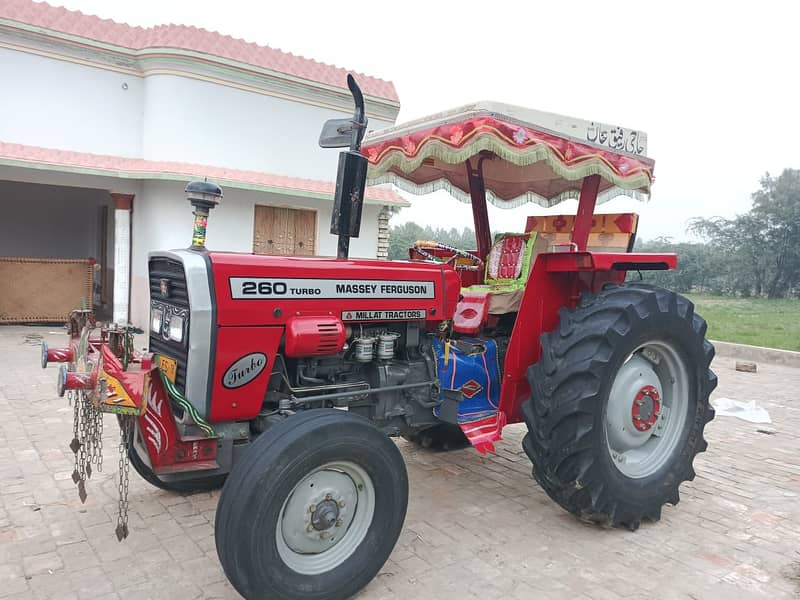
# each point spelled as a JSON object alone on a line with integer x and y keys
{"x": 283, "y": 377}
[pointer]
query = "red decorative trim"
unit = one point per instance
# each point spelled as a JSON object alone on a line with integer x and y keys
{"x": 518, "y": 138}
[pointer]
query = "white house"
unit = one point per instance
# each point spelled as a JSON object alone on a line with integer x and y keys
{"x": 103, "y": 124}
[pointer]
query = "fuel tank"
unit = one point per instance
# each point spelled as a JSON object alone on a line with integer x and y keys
{"x": 269, "y": 290}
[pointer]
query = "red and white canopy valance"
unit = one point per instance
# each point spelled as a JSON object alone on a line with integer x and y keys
{"x": 529, "y": 156}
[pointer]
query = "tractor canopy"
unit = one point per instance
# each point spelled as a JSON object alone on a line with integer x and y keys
{"x": 518, "y": 155}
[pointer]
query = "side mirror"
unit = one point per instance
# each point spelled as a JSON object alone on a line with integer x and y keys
{"x": 344, "y": 133}
{"x": 337, "y": 133}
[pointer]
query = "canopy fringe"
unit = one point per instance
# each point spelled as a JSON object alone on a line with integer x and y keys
{"x": 529, "y": 197}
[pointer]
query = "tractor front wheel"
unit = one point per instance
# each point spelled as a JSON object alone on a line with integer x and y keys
{"x": 313, "y": 509}
{"x": 619, "y": 401}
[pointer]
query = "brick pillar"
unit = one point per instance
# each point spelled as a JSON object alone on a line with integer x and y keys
{"x": 123, "y": 203}
{"x": 383, "y": 233}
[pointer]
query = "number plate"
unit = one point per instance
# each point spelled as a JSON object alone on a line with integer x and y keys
{"x": 169, "y": 366}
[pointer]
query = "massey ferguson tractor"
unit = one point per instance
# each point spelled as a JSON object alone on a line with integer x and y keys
{"x": 281, "y": 379}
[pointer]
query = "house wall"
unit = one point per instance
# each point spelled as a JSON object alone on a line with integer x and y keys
{"x": 59, "y": 104}
{"x": 193, "y": 121}
{"x": 162, "y": 220}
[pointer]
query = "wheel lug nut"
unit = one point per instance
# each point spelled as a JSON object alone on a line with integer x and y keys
{"x": 310, "y": 528}
{"x": 327, "y": 496}
{"x": 338, "y": 522}
{"x": 341, "y": 503}
{"x": 312, "y": 508}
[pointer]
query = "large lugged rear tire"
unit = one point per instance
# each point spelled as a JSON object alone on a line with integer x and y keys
{"x": 313, "y": 509}
{"x": 619, "y": 401}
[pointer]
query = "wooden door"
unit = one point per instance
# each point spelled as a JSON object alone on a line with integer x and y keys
{"x": 278, "y": 230}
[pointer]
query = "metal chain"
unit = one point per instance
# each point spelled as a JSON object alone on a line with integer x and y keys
{"x": 98, "y": 432}
{"x": 125, "y": 440}
{"x": 94, "y": 436}
{"x": 75, "y": 444}
{"x": 82, "y": 437}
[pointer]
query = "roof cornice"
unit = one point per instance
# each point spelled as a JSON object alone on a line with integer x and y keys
{"x": 168, "y": 58}
{"x": 82, "y": 163}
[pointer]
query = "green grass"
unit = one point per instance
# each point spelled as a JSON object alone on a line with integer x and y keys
{"x": 759, "y": 322}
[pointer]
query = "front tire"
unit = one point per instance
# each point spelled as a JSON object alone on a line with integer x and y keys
{"x": 619, "y": 402}
{"x": 313, "y": 510}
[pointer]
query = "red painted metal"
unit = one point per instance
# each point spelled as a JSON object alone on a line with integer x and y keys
{"x": 231, "y": 401}
{"x": 276, "y": 311}
{"x": 636, "y": 408}
{"x": 136, "y": 390}
{"x": 81, "y": 380}
{"x": 60, "y": 355}
{"x": 609, "y": 261}
{"x": 308, "y": 335}
{"x": 586, "y": 204}
{"x": 480, "y": 215}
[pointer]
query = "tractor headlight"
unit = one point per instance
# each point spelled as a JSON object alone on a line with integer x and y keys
{"x": 176, "y": 328}
{"x": 156, "y": 319}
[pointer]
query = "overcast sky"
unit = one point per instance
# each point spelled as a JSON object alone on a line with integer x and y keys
{"x": 714, "y": 84}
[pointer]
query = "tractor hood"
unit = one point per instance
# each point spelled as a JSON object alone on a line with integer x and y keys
{"x": 268, "y": 290}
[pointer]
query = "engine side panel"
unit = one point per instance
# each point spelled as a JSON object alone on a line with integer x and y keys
{"x": 244, "y": 360}
{"x": 268, "y": 290}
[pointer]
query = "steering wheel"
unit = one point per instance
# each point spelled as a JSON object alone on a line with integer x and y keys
{"x": 421, "y": 247}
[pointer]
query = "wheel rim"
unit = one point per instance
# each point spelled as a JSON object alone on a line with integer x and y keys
{"x": 647, "y": 409}
{"x": 325, "y": 518}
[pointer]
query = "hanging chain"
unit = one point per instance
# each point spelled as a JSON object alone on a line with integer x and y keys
{"x": 125, "y": 440}
{"x": 83, "y": 438}
{"x": 87, "y": 439}
{"x": 98, "y": 440}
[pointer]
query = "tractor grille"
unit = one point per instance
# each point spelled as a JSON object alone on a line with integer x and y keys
{"x": 171, "y": 270}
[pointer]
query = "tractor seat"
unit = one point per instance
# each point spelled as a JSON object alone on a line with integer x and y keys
{"x": 507, "y": 269}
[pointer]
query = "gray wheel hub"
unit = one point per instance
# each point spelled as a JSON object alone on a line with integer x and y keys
{"x": 647, "y": 409}
{"x": 325, "y": 518}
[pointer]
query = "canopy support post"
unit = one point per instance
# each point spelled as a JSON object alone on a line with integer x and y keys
{"x": 586, "y": 204}
{"x": 480, "y": 214}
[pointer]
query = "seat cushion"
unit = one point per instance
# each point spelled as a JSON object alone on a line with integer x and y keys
{"x": 507, "y": 269}
{"x": 506, "y": 258}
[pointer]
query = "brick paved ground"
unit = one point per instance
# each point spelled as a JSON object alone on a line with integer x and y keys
{"x": 476, "y": 528}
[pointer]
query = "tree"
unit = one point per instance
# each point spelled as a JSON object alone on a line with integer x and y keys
{"x": 762, "y": 247}
{"x": 402, "y": 237}
{"x": 698, "y": 267}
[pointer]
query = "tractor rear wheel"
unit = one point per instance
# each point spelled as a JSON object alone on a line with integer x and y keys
{"x": 619, "y": 401}
{"x": 313, "y": 509}
{"x": 443, "y": 436}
